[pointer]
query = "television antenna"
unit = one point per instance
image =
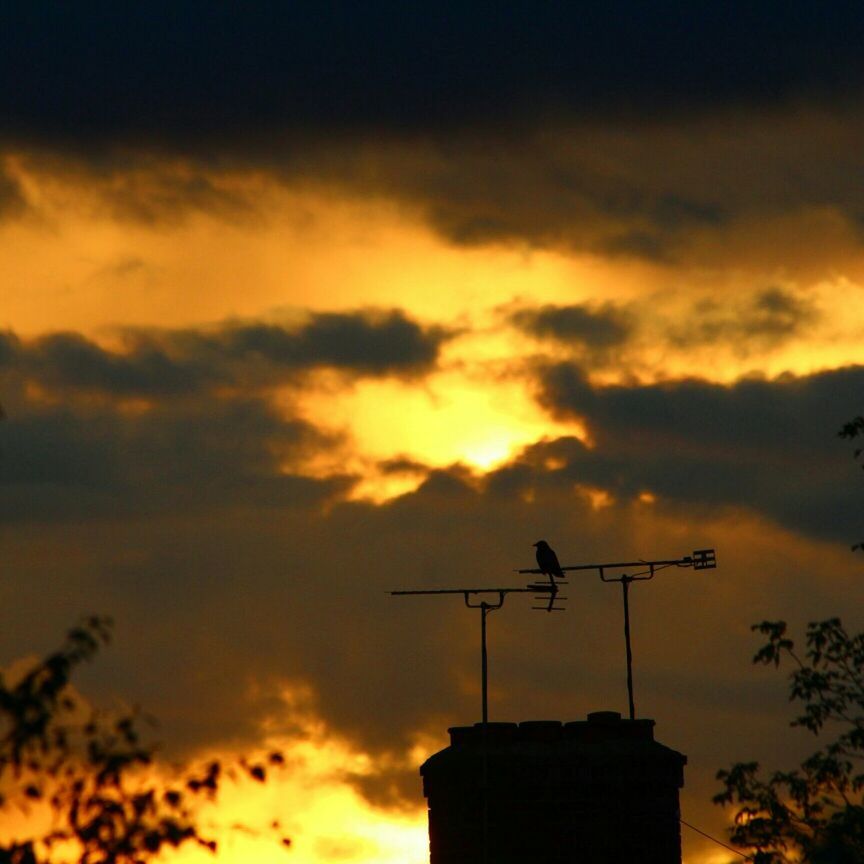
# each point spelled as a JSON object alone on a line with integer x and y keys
{"x": 476, "y": 598}
{"x": 701, "y": 559}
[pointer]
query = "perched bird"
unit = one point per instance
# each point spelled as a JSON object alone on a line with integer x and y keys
{"x": 547, "y": 561}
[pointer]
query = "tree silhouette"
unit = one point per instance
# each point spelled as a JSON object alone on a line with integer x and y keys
{"x": 90, "y": 769}
{"x": 814, "y": 813}
{"x": 853, "y": 429}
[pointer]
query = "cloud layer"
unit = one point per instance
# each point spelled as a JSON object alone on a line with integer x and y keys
{"x": 123, "y": 73}
{"x": 176, "y": 363}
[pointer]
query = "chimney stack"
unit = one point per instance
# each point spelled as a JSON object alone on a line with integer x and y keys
{"x": 595, "y": 791}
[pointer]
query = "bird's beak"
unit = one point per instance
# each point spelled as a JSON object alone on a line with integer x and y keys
{"x": 536, "y": 544}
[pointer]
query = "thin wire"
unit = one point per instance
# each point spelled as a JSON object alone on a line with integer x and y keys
{"x": 714, "y": 839}
{"x": 657, "y": 568}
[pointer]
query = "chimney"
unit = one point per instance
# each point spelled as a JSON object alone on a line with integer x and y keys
{"x": 595, "y": 791}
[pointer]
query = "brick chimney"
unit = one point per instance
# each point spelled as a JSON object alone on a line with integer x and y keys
{"x": 595, "y": 791}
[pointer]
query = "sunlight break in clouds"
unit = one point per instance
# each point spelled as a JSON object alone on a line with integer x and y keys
{"x": 80, "y": 261}
{"x": 316, "y": 807}
{"x": 450, "y": 418}
{"x": 326, "y": 819}
{"x": 309, "y": 801}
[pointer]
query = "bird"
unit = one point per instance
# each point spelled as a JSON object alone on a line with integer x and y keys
{"x": 547, "y": 561}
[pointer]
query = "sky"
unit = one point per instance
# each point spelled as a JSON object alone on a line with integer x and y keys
{"x": 303, "y": 303}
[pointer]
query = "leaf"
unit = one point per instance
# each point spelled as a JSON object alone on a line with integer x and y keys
{"x": 814, "y": 812}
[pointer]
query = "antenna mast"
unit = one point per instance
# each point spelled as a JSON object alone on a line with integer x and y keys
{"x": 475, "y": 598}
{"x": 701, "y": 559}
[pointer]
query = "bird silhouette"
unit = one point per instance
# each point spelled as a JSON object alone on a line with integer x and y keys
{"x": 547, "y": 561}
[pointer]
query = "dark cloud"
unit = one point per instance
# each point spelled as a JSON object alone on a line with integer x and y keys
{"x": 671, "y": 192}
{"x": 189, "y": 71}
{"x": 12, "y": 200}
{"x": 72, "y": 464}
{"x": 762, "y": 444}
{"x": 611, "y": 187}
{"x": 553, "y": 188}
{"x": 388, "y": 787}
{"x": 368, "y": 343}
{"x": 660, "y": 221}
{"x": 596, "y": 327}
{"x": 161, "y": 195}
{"x": 598, "y": 333}
{"x": 621, "y": 130}
{"x": 69, "y": 360}
{"x": 179, "y": 428}
{"x": 648, "y": 245}
{"x": 767, "y": 319}
{"x": 175, "y": 363}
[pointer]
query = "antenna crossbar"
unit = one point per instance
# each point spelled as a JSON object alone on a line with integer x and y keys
{"x": 701, "y": 559}
{"x": 533, "y": 589}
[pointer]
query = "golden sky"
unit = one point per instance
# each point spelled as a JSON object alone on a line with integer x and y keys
{"x": 261, "y": 368}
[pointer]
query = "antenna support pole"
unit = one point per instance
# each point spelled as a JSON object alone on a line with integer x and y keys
{"x": 485, "y": 607}
{"x": 625, "y": 589}
{"x": 546, "y": 592}
{"x": 484, "y": 663}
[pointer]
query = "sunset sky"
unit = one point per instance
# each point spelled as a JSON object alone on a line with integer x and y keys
{"x": 300, "y": 303}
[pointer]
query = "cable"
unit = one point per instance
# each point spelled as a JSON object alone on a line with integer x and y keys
{"x": 713, "y": 839}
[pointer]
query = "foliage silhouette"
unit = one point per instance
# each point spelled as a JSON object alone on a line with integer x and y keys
{"x": 814, "y": 813}
{"x": 853, "y": 429}
{"x": 91, "y": 769}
